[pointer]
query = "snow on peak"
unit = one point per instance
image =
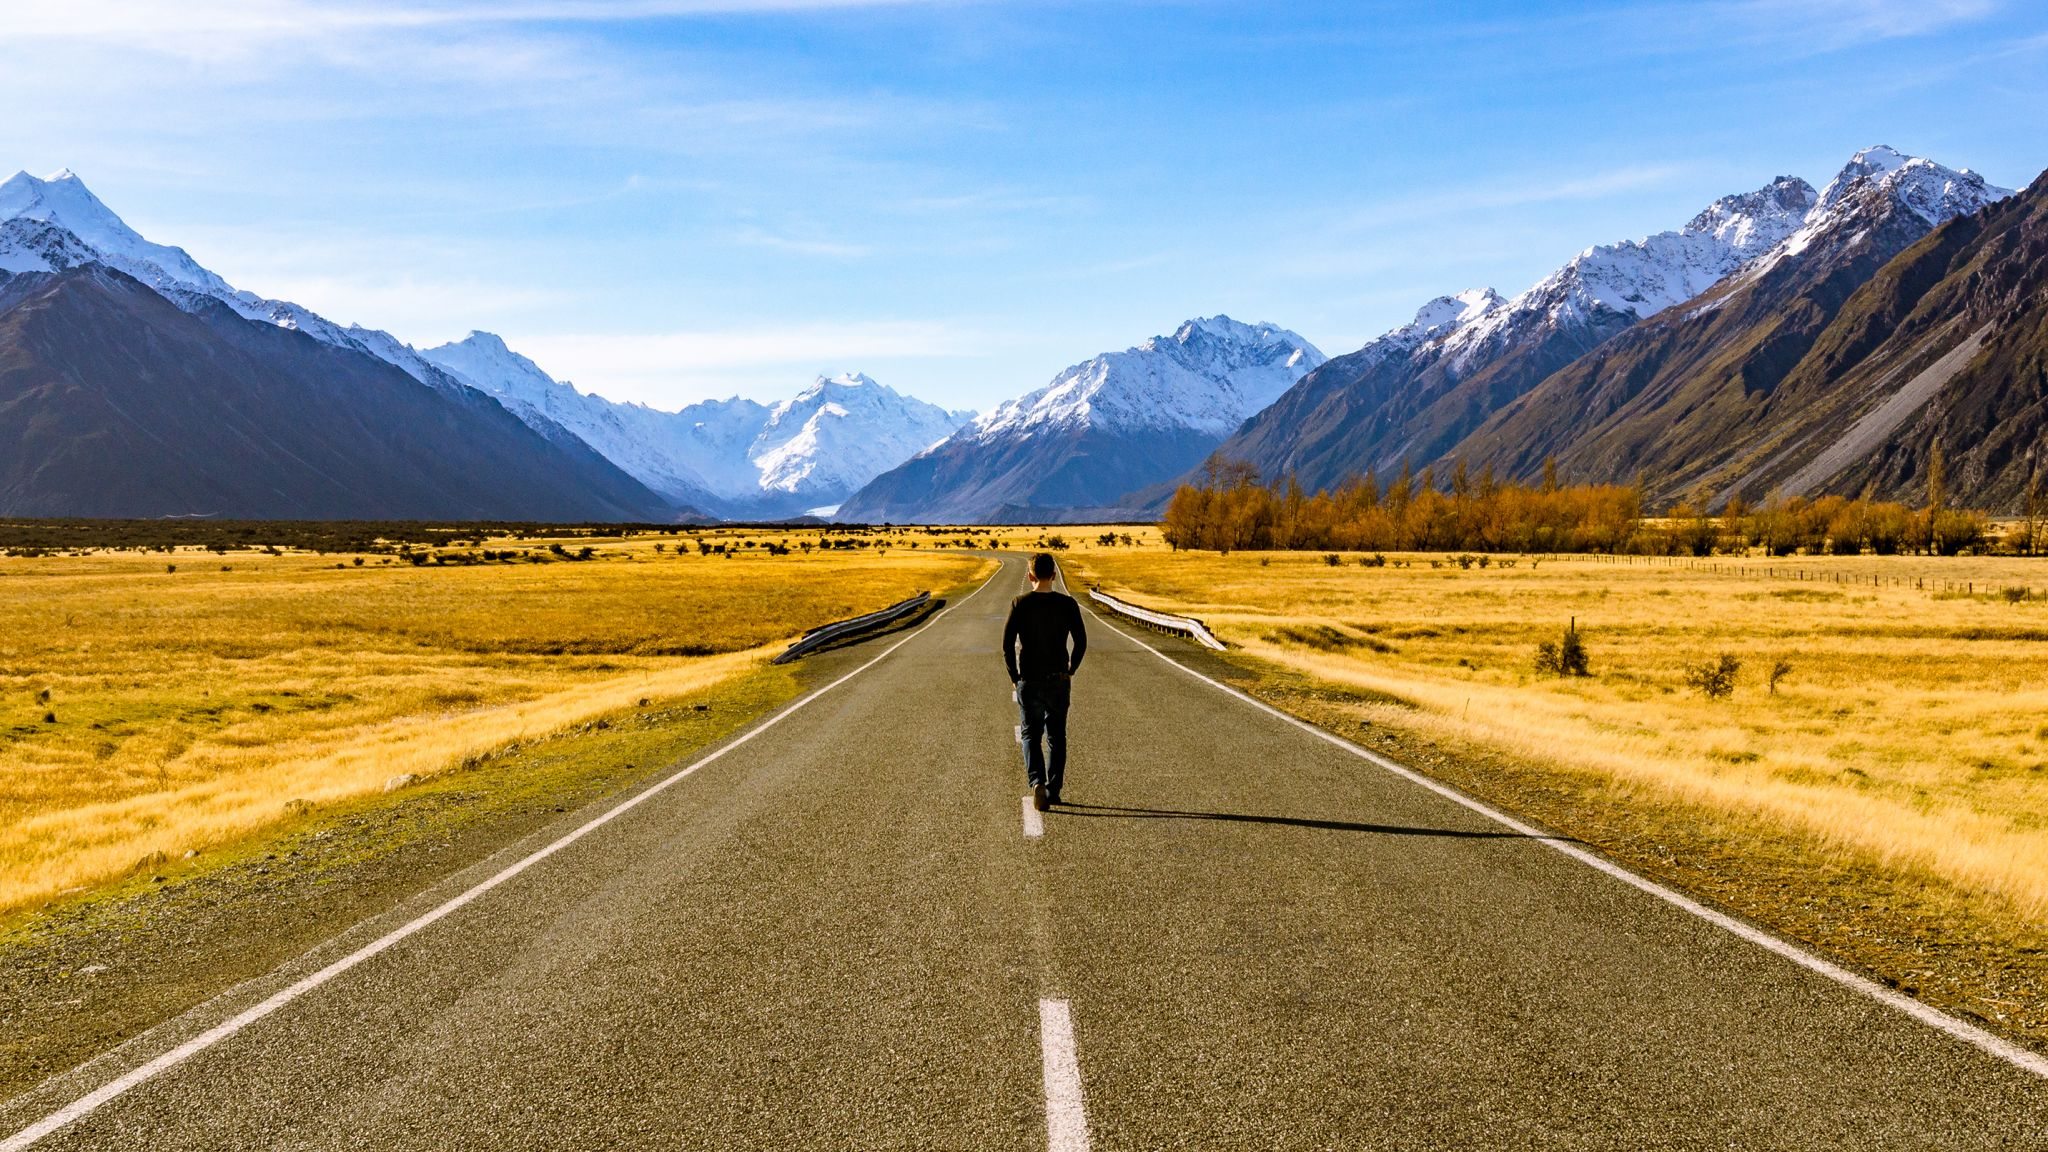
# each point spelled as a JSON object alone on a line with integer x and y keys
{"x": 1753, "y": 222}
{"x": 1872, "y": 163}
{"x": 64, "y": 205}
{"x": 1880, "y": 176}
{"x": 63, "y": 201}
{"x": 1646, "y": 276}
{"x": 1208, "y": 376}
{"x": 483, "y": 361}
{"x": 739, "y": 456}
{"x": 1445, "y": 313}
{"x": 490, "y": 344}
{"x": 840, "y": 433}
{"x": 1633, "y": 278}
{"x": 1932, "y": 191}
{"x": 831, "y": 385}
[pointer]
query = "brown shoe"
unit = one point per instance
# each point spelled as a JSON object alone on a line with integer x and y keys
{"x": 1040, "y": 798}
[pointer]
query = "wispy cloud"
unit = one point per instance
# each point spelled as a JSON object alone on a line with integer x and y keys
{"x": 1841, "y": 23}
{"x": 801, "y": 246}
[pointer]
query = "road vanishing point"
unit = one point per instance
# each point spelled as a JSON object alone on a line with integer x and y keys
{"x": 841, "y": 930}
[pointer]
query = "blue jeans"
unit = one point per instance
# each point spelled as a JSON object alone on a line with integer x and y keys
{"x": 1044, "y": 703}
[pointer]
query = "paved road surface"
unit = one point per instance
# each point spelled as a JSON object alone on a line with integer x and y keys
{"x": 839, "y": 935}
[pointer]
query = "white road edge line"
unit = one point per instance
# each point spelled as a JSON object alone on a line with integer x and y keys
{"x": 113, "y": 1089}
{"x": 1066, "y": 1120}
{"x": 1931, "y": 1016}
{"x": 1034, "y": 824}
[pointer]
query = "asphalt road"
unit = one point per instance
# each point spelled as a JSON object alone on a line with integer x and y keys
{"x": 837, "y": 934}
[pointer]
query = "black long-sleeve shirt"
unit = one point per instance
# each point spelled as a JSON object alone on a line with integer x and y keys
{"x": 1042, "y": 622}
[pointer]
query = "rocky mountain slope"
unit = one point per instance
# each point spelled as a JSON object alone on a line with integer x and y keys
{"x": 115, "y": 402}
{"x": 1415, "y": 393}
{"x": 1101, "y": 428}
{"x": 1699, "y": 395}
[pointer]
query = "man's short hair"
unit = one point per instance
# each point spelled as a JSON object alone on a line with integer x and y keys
{"x": 1043, "y": 567}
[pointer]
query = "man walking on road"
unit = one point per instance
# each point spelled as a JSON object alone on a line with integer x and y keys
{"x": 1040, "y": 623}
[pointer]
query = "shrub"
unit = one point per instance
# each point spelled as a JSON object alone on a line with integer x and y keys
{"x": 1779, "y": 671}
{"x": 1373, "y": 561}
{"x": 2015, "y": 595}
{"x": 1332, "y": 559}
{"x": 1714, "y": 678}
{"x": 1565, "y": 656}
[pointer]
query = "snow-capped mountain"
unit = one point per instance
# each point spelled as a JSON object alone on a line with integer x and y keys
{"x": 1879, "y": 176}
{"x": 827, "y": 441}
{"x": 1100, "y": 428}
{"x": 678, "y": 454}
{"x": 1640, "y": 278}
{"x": 1413, "y": 394}
{"x": 735, "y": 457}
{"x": 64, "y": 201}
{"x": 141, "y": 384}
{"x": 1209, "y": 375}
{"x": 1743, "y": 387}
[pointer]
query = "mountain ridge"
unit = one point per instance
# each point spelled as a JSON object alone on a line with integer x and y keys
{"x": 1113, "y": 422}
{"x": 1414, "y": 393}
{"x": 697, "y": 458}
{"x": 117, "y": 402}
{"x": 1690, "y": 394}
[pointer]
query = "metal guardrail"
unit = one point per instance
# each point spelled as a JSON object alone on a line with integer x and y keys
{"x": 1186, "y": 626}
{"x": 825, "y": 634}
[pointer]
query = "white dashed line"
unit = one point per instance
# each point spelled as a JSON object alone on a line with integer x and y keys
{"x": 1066, "y": 1120}
{"x": 1034, "y": 825}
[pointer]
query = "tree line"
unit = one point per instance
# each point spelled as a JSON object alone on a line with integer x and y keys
{"x": 1230, "y": 509}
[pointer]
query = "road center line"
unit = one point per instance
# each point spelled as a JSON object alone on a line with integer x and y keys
{"x": 1066, "y": 1120}
{"x": 99, "y": 1097}
{"x": 1927, "y": 1014}
{"x": 1034, "y": 824}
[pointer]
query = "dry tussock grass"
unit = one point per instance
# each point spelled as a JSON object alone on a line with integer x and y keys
{"x": 194, "y": 706}
{"x": 1911, "y": 731}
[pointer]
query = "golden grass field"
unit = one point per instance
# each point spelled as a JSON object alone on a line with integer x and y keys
{"x": 147, "y": 713}
{"x": 1911, "y": 730}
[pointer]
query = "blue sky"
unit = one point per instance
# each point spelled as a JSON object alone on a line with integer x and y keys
{"x": 664, "y": 201}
